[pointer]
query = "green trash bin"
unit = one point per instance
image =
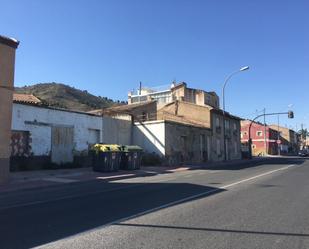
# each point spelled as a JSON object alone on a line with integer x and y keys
{"x": 131, "y": 157}
{"x": 105, "y": 157}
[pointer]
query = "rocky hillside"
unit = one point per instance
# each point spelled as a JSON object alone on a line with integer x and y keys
{"x": 64, "y": 96}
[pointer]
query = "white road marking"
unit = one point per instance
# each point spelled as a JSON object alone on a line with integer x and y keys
{"x": 257, "y": 176}
{"x": 175, "y": 203}
{"x": 137, "y": 184}
{"x": 114, "y": 177}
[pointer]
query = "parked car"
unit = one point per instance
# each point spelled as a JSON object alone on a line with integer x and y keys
{"x": 303, "y": 153}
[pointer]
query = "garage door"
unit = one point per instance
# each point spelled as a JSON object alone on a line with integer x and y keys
{"x": 62, "y": 144}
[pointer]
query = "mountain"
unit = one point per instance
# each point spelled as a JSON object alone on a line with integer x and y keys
{"x": 64, "y": 96}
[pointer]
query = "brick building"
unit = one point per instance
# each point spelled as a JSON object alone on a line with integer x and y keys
{"x": 263, "y": 143}
{"x": 289, "y": 139}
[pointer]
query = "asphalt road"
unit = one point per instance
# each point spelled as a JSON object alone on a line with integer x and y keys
{"x": 259, "y": 206}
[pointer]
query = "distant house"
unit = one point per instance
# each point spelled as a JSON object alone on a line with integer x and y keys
{"x": 264, "y": 139}
{"x": 289, "y": 140}
{"x": 271, "y": 139}
{"x": 174, "y": 92}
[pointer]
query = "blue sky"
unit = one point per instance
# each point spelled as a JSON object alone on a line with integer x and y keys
{"x": 107, "y": 47}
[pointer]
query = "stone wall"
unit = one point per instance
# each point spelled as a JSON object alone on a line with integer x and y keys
{"x": 186, "y": 144}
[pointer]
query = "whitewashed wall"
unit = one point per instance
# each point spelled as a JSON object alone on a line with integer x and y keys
{"x": 150, "y": 136}
{"x": 116, "y": 131}
{"x": 84, "y": 126}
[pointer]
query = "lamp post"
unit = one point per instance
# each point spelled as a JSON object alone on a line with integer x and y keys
{"x": 223, "y": 103}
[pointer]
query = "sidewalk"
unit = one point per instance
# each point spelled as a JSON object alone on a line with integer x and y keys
{"x": 26, "y": 180}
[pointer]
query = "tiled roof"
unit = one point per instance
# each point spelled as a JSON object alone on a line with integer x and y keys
{"x": 127, "y": 108}
{"x": 227, "y": 114}
{"x": 25, "y": 98}
{"x": 97, "y": 111}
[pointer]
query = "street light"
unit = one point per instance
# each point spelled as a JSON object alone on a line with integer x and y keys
{"x": 244, "y": 68}
{"x": 223, "y": 102}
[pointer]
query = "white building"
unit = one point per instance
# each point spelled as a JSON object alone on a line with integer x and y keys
{"x": 167, "y": 94}
{"x": 46, "y": 134}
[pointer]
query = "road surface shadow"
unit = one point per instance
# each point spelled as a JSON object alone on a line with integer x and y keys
{"x": 42, "y": 222}
{"x": 215, "y": 230}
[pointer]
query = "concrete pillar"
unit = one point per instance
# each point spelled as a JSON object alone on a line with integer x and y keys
{"x": 7, "y": 63}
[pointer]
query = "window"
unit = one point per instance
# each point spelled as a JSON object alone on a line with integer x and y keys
{"x": 208, "y": 100}
{"x": 218, "y": 147}
{"x": 227, "y": 125}
{"x": 235, "y": 127}
{"x": 218, "y": 128}
{"x": 235, "y": 148}
{"x": 241, "y": 135}
{"x": 259, "y": 133}
{"x": 217, "y": 122}
{"x": 137, "y": 99}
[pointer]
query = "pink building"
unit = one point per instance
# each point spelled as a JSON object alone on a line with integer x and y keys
{"x": 262, "y": 142}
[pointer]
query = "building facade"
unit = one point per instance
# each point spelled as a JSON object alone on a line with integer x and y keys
{"x": 7, "y": 64}
{"x": 176, "y": 143}
{"x": 42, "y": 135}
{"x": 289, "y": 140}
{"x": 179, "y": 132}
{"x": 175, "y": 92}
{"x": 264, "y": 139}
{"x": 232, "y": 136}
{"x": 184, "y": 132}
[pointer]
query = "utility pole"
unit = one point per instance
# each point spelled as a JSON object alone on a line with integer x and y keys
{"x": 278, "y": 139}
{"x": 265, "y": 144}
{"x": 140, "y": 91}
{"x": 302, "y": 134}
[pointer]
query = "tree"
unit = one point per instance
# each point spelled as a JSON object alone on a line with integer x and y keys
{"x": 303, "y": 132}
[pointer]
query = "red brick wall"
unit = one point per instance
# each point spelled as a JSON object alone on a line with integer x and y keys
{"x": 258, "y": 141}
